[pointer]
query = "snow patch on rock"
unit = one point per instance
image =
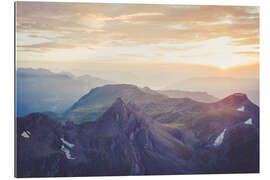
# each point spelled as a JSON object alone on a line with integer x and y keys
{"x": 249, "y": 121}
{"x": 67, "y": 143}
{"x": 220, "y": 138}
{"x": 67, "y": 152}
{"x": 242, "y": 108}
{"x": 25, "y": 134}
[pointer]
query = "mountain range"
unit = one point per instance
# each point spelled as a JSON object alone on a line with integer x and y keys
{"x": 195, "y": 95}
{"x": 125, "y": 130}
{"x": 220, "y": 87}
{"x": 40, "y": 90}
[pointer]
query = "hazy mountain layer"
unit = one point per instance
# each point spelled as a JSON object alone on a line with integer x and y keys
{"x": 220, "y": 86}
{"x": 154, "y": 75}
{"x": 197, "y": 96}
{"x": 41, "y": 90}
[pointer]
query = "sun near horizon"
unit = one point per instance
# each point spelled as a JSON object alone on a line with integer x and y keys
{"x": 220, "y": 36}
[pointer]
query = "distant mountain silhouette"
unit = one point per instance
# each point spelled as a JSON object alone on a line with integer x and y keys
{"x": 197, "y": 96}
{"x": 41, "y": 90}
{"x": 220, "y": 87}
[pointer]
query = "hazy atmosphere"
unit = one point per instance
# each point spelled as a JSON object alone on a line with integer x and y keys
{"x": 147, "y": 45}
{"x": 136, "y": 89}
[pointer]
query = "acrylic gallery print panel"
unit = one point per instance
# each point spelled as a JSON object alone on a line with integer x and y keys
{"x": 136, "y": 89}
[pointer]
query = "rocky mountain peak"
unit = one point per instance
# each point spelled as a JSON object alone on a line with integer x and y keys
{"x": 236, "y": 99}
{"x": 118, "y": 103}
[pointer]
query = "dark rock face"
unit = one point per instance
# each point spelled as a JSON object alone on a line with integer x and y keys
{"x": 221, "y": 137}
{"x": 241, "y": 147}
{"x": 38, "y": 144}
{"x": 145, "y": 140}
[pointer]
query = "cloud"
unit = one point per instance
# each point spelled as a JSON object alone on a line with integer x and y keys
{"x": 144, "y": 24}
{"x": 249, "y": 53}
{"x": 247, "y": 41}
{"x": 99, "y": 31}
{"x": 46, "y": 46}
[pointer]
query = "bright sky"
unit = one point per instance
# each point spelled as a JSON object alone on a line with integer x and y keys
{"x": 221, "y": 36}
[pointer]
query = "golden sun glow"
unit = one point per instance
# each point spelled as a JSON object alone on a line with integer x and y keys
{"x": 218, "y": 36}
